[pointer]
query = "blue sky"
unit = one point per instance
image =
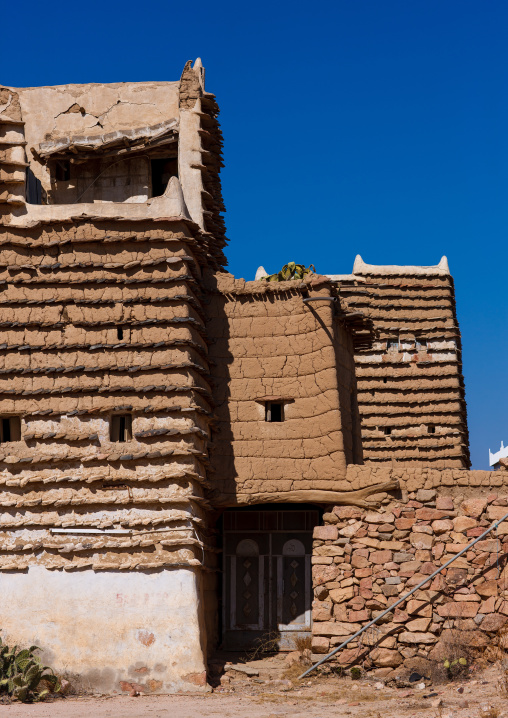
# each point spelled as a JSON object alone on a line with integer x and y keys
{"x": 376, "y": 127}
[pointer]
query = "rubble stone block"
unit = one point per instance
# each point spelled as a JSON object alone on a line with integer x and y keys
{"x": 335, "y": 628}
{"x": 493, "y": 622}
{"x": 486, "y": 589}
{"x": 417, "y": 638}
{"x": 385, "y": 657}
{"x": 421, "y": 541}
{"x": 474, "y": 507}
{"x": 463, "y": 523}
{"x": 380, "y": 557}
{"x": 339, "y": 595}
{"x": 320, "y": 644}
{"x": 401, "y": 557}
{"x": 418, "y": 625}
{"x": 442, "y": 526}
{"x": 425, "y": 495}
{"x": 428, "y": 514}
{"x": 455, "y": 609}
{"x": 420, "y": 608}
{"x": 444, "y": 503}
{"x": 326, "y": 533}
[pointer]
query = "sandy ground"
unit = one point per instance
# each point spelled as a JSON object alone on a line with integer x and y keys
{"x": 323, "y": 698}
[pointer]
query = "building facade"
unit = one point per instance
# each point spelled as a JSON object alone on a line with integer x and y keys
{"x": 173, "y": 439}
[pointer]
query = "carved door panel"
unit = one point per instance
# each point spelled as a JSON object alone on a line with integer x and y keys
{"x": 294, "y": 586}
{"x": 247, "y": 587}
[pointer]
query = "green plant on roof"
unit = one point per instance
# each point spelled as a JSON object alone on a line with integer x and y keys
{"x": 289, "y": 271}
{"x": 23, "y": 676}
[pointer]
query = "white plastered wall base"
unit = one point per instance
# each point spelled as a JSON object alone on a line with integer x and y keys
{"x": 110, "y": 628}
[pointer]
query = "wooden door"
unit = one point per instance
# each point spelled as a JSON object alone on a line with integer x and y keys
{"x": 267, "y": 589}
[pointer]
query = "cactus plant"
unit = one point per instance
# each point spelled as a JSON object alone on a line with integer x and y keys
{"x": 22, "y": 671}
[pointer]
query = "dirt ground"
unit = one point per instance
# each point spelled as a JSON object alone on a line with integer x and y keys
{"x": 322, "y": 697}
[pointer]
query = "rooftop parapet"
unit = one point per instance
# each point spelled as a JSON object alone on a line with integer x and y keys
{"x": 360, "y": 267}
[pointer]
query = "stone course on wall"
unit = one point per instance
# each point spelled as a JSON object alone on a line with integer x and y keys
{"x": 410, "y": 387}
{"x": 64, "y": 370}
{"x": 365, "y": 559}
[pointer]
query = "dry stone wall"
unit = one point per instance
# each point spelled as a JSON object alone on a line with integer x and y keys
{"x": 410, "y": 383}
{"x": 365, "y": 559}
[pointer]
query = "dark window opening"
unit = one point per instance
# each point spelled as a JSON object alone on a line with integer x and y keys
{"x": 162, "y": 171}
{"x": 33, "y": 188}
{"x": 431, "y": 429}
{"x": 421, "y": 344}
{"x": 10, "y": 429}
{"x": 387, "y": 430}
{"x": 119, "y": 333}
{"x": 385, "y": 380}
{"x": 120, "y": 428}
{"x": 274, "y": 411}
{"x": 62, "y": 171}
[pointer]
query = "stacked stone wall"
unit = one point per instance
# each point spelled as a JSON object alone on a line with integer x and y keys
{"x": 413, "y": 389}
{"x": 364, "y": 560}
{"x": 65, "y": 371}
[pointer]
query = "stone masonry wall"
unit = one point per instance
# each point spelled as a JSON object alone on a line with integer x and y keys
{"x": 363, "y": 560}
{"x": 65, "y": 370}
{"x": 410, "y": 380}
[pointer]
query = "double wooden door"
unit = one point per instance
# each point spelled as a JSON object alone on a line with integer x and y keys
{"x": 267, "y": 588}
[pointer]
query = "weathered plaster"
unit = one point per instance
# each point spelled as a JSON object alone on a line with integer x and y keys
{"x": 52, "y": 112}
{"x": 110, "y": 628}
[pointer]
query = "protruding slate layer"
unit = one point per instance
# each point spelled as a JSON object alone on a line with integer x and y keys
{"x": 410, "y": 383}
{"x": 94, "y": 324}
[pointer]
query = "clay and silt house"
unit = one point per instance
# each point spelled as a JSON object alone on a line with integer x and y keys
{"x": 188, "y": 459}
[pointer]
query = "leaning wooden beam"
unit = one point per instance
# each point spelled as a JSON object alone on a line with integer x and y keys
{"x": 311, "y": 496}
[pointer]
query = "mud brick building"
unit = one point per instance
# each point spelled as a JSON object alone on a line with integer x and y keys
{"x": 410, "y": 382}
{"x": 188, "y": 459}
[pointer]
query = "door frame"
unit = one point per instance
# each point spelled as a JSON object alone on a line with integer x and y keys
{"x": 270, "y": 572}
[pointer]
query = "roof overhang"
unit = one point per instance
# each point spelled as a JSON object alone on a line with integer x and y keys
{"x": 84, "y": 147}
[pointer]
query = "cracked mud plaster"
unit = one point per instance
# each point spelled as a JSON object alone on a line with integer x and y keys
{"x": 279, "y": 347}
{"x": 52, "y": 112}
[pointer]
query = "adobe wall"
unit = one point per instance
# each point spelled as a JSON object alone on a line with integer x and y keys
{"x": 409, "y": 388}
{"x": 124, "y": 515}
{"x": 364, "y": 559}
{"x": 266, "y": 342}
{"x": 50, "y": 113}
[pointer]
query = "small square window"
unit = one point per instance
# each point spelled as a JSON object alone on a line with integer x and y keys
{"x": 431, "y": 429}
{"x": 387, "y": 430}
{"x": 10, "y": 429}
{"x": 274, "y": 411}
{"x": 120, "y": 428}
